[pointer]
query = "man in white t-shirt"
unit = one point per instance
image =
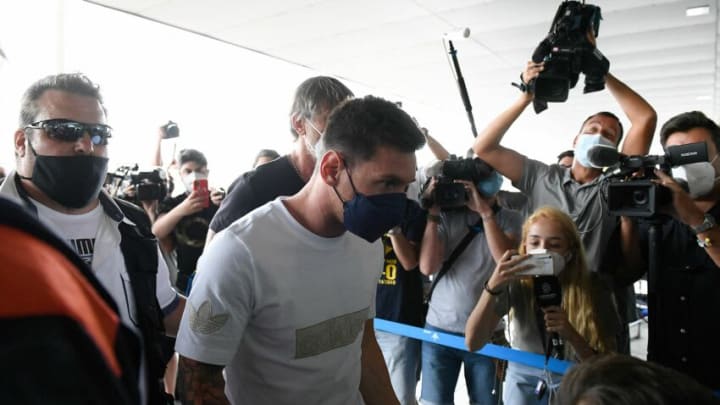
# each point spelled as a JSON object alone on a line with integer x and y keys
{"x": 284, "y": 297}
{"x": 61, "y": 152}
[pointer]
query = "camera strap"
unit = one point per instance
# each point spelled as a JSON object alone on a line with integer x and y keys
{"x": 472, "y": 231}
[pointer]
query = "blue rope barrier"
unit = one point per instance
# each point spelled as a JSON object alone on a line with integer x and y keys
{"x": 458, "y": 342}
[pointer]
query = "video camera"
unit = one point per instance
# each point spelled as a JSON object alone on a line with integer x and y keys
{"x": 639, "y": 196}
{"x": 149, "y": 184}
{"x": 447, "y": 194}
{"x": 566, "y": 52}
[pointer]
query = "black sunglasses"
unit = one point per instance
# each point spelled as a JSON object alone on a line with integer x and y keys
{"x": 71, "y": 131}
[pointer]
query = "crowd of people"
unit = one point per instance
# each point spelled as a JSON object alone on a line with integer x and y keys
{"x": 267, "y": 293}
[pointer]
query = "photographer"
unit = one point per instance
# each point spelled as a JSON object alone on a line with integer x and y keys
{"x": 685, "y": 305}
{"x": 488, "y": 231}
{"x": 508, "y": 292}
{"x": 184, "y": 220}
{"x": 578, "y": 190}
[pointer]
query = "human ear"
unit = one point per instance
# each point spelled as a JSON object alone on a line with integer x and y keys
{"x": 297, "y": 122}
{"x": 331, "y": 164}
{"x": 20, "y": 143}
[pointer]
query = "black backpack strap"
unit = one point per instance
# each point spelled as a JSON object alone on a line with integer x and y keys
{"x": 140, "y": 251}
{"x": 454, "y": 255}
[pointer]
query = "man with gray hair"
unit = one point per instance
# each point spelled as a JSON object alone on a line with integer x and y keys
{"x": 314, "y": 99}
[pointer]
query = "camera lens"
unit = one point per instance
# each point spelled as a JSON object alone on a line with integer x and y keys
{"x": 640, "y": 197}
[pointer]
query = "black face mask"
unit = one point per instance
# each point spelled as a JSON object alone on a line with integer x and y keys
{"x": 71, "y": 181}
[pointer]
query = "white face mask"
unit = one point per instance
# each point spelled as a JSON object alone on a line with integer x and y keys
{"x": 697, "y": 178}
{"x": 583, "y": 145}
{"x": 311, "y": 147}
{"x": 559, "y": 261}
{"x": 189, "y": 179}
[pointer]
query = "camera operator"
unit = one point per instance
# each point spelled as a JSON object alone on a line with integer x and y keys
{"x": 578, "y": 190}
{"x": 685, "y": 304}
{"x": 458, "y": 284}
{"x": 184, "y": 219}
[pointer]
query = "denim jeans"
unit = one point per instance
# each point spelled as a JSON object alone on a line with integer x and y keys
{"x": 520, "y": 383}
{"x": 440, "y": 370}
{"x": 402, "y": 357}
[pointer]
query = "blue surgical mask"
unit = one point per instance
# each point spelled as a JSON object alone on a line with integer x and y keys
{"x": 583, "y": 145}
{"x": 369, "y": 217}
{"x": 490, "y": 185}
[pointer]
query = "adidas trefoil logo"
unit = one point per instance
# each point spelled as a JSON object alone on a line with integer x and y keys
{"x": 203, "y": 321}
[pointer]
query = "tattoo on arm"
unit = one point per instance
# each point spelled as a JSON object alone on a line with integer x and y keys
{"x": 200, "y": 383}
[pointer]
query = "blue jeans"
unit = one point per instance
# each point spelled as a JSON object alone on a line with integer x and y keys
{"x": 520, "y": 382}
{"x": 402, "y": 357}
{"x": 440, "y": 371}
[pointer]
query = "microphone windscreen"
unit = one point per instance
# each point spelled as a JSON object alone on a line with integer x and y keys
{"x": 601, "y": 156}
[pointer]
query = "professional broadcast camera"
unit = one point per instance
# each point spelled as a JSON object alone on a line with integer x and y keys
{"x": 566, "y": 52}
{"x": 149, "y": 184}
{"x": 639, "y": 196}
{"x": 447, "y": 194}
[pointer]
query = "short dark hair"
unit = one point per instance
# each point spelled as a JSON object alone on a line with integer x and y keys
{"x": 356, "y": 128}
{"x": 266, "y": 153}
{"x": 567, "y": 153}
{"x": 191, "y": 155}
{"x": 316, "y": 95}
{"x": 687, "y": 121}
{"x": 616, "y": 379}
{"x": 75, "y": 83}
{"x": 606, "y": 114}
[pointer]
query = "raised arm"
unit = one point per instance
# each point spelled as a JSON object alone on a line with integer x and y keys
{"x": 405, "y": 250}
{"x": 436, "y": 148}
{"x": 200, "y": 383}
{"x": 487, "y": 312}
{"x": 487, "y": 144}
{"x": 432, "y": 249}
{"x": 642, "y": 116}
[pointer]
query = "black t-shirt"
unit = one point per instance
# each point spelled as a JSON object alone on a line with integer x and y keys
{"x": 400, "y": 293}
{"x": 684, "y": 307}
{"x": 189, "y": 233}
{"x": 255, "y": 188}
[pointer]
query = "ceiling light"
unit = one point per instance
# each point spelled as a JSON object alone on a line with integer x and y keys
{"x": 703, "y": 98}
{"x": 697, "y": 11}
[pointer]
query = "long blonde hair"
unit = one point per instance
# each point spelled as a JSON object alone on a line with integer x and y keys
{"x": 578, "y": 299}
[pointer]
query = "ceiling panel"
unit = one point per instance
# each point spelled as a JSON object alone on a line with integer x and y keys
{"x": 396, "y": 46}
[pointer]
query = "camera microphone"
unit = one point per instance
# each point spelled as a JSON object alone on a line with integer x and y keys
{"x": 601, "y": 156}
{"x": 458, "y": 34}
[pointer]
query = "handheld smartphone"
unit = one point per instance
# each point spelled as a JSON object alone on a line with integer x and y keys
{"x": 542, "y": 265}
{"x": 201, "y": 187}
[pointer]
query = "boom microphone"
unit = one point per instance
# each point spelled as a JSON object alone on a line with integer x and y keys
{"x": 601, "y": 156}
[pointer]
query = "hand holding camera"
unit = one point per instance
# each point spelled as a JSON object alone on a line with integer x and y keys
{"x": 507, "y": 270}
{"x": 475, "y": 202}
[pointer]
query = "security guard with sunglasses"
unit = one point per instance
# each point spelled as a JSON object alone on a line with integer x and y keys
{"x": 61, "y": 163}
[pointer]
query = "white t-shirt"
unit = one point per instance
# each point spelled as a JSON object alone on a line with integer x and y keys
{"x": 283, "y": 309}
{"x": 96, "y": 238}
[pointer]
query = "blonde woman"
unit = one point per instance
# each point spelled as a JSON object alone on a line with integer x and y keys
{"x": 508, "y": 292}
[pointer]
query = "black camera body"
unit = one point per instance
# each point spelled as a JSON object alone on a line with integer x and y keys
{"x": 639, "y": 196}
{"x": 448, "y": 194}
{"x": 170, "y": 130}
{"x": 567, "y": 52}
{"x": 149, "y": 185}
